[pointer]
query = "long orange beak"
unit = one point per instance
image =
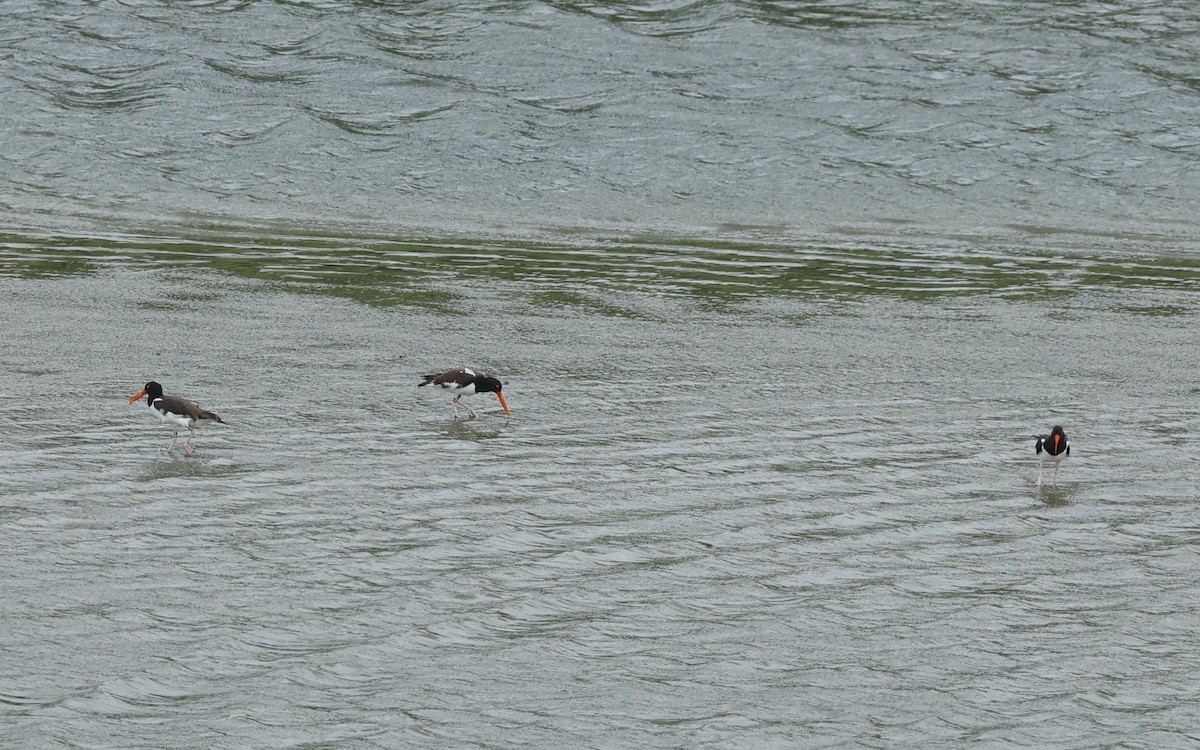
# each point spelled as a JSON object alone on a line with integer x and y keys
{"x": 1056, "y": 442}
{"x": 503, "y": 403}
{"x": 139, "y": 395}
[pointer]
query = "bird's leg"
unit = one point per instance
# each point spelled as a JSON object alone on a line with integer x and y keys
{"x": 470, "y": 411}
{"x": 187, "y": 444}
{"x": 1039, "y": 479}
{"x": 1056, "y": 475}
{"x": 454, "y": 403}
{"x": 174, "y": 437}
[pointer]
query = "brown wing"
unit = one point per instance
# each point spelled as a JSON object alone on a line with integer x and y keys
{"x": 177, "y": 405}
{"x": 451, "y": 379}
{"x": 211, "y": 415}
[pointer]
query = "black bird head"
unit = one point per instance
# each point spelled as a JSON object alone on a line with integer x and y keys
{"x": 152, "y": 391}
{"x": 491, "y": 385}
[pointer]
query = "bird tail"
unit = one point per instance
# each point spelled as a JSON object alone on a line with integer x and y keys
{"x": 428, "y": 380}
{"x": 212, "y": 416}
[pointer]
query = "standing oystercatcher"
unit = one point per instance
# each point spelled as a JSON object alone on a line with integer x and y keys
{"x": 465, "y": 382}
{"x": 176, "y": 411}
{"x": 1053, "y": 448}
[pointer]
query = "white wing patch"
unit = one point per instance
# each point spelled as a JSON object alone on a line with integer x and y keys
{"x": 166, "y": 417}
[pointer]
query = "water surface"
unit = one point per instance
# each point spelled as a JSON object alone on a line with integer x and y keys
{"x": 779, "y": 293}
{"x": 798, "y": 516}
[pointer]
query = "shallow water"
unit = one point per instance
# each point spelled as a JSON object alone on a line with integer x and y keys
{"x": 803, "y": 516}
{"x": 779, "y": 293}
{"x": 653, "y": 116}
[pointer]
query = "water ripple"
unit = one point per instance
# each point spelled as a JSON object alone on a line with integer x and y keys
{"x": 84, "y": 85}
{"x": 274, "y": 69}
{"x": 376, "y": 123}
{"x": 384, "y": 271}
{"x": 778, "y": 292}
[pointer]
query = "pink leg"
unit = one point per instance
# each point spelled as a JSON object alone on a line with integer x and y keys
{"x": 470, "y": 412}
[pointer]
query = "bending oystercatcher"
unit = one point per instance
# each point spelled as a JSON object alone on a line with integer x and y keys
{"x": 465, "y": 382}
{"x": 1053, "y": 448}
{"x": 175, "y": 411}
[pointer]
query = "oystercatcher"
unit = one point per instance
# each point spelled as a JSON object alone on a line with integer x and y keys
{"x": 176, "y": 411}
{"x": 1053, "y": 448}
{"x": 465, "y": 382}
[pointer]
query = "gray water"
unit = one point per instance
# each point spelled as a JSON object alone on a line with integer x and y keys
{"x": 779, "y": 294}
{"x": 662, "y": 116}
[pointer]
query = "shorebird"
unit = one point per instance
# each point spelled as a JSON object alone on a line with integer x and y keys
{"x": 1053, "y": 448}
{"x": 176, "y": 411}
{"x": 465, "y": 382}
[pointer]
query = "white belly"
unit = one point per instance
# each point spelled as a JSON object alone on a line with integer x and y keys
{"x": 181, "y": 421}
{"x": 1048, "y": 459}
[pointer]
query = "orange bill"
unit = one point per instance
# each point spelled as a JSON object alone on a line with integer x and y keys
{"x": 503, "y": 403}
{"x": 1056, "y": 442}
{"x": 139, "y": 395}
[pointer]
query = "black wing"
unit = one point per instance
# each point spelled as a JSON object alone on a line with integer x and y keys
{"x": 451, "y": 379}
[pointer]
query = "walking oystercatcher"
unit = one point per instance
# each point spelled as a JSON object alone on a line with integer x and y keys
{"x": 176, "y": 411}
{"x": 465, "y": 382}
{"x": 1053, "y": 448}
